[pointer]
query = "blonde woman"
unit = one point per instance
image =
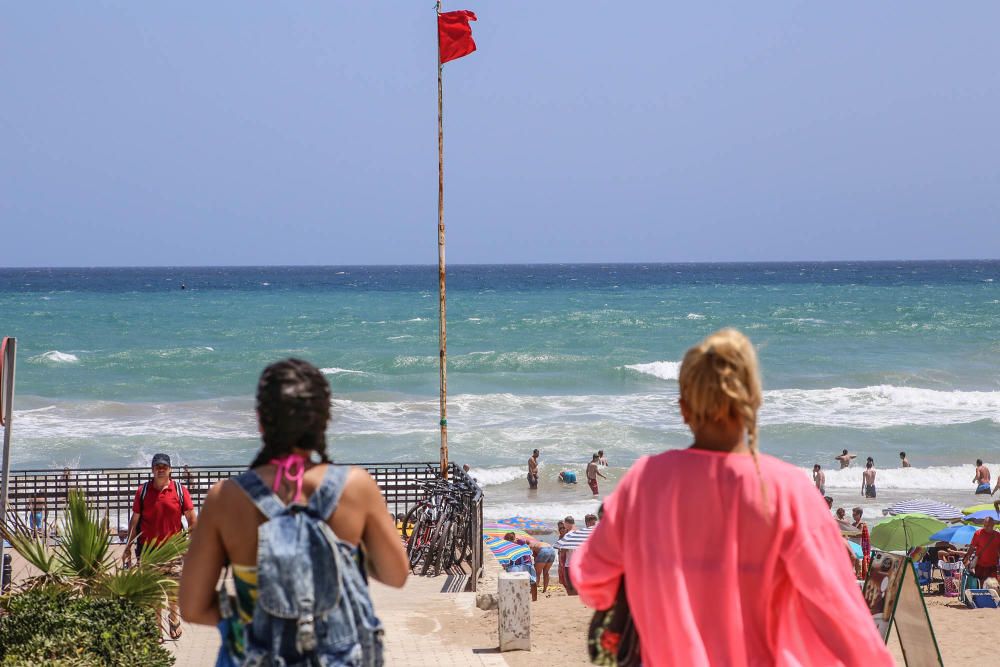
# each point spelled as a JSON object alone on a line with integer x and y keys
{"x": 732, "y": 556}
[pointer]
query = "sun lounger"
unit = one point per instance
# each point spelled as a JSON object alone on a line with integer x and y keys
{"x": 981, "y": 598}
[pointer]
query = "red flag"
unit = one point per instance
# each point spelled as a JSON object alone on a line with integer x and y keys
{"x": 455, "y": 35}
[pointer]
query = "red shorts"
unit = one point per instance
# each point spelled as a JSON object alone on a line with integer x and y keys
{"x": 593, "y": 485}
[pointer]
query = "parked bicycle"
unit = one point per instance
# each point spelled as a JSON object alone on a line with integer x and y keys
{"x": 438, "y": 528}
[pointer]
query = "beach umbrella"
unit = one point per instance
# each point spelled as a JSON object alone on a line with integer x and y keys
{"x": 955, "y": 534}
{"x": 905, "y": 531}
{"x": 506, "y": 552}
{"x": 977, "y": 508}
{"x": 501, "y": 529}
{"x": 983, "y": 514}
{"x": 847, "y": 530}
{"x": 528, "y": 525}
{"x": 574, "y": 538}
{"x": 933, "y": 508}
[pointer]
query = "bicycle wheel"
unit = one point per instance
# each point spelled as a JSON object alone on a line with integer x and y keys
{"x": 410, "y": 520}
{"x": 441, "y": 546}
{"x": 416, "y": 548}
{"x": 430, "y": 555}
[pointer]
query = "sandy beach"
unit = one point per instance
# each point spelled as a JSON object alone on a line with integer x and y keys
{"x": 427, "y": 627}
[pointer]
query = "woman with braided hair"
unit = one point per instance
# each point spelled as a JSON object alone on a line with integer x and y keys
{"x": 293, "y": 409}
{"x": 732, "y": 556}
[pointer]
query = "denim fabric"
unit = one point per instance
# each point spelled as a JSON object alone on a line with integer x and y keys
{"x": 313, "y": 606}
{"x": 545, "y": 555}
{"x": 525, "y": 566}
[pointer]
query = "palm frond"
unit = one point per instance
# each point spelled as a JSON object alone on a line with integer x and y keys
{"x": 32, "y": 548}
{"x": 145, "y": 586}
{"x": 85, "y": 547}
{"x": 165, "y": 551}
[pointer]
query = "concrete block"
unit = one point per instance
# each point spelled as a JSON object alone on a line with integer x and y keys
{"x": 514, "y": 600}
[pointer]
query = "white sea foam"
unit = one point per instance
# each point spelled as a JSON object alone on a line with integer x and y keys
{"x": 879, "y": 406}
{"x": 493, "y": 476}
{"x": 415, "y": 319}
{"x": 695, "y": 316}
{"x": 665, "y": 370}
{"x": 55, "y": 357}
{"x": 97, "y": 420}
{"x": 957, "y": 478}
{"x": 404, "y": 336}
{"x": 333, "y": 370}
{"x": 547, "y": 511}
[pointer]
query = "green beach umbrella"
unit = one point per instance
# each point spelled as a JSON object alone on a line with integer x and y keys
{"x": 977, "y": 508}
{"x": 905, "y": 531}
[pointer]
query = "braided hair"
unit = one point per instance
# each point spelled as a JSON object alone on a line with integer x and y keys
{"x": 719, "y": 379}
{"x": 293, "y": 406}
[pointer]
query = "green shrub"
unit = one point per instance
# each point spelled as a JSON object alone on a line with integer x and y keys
{"x": 50, "y": 626}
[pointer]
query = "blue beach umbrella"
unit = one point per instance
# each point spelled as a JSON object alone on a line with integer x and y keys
{"x": 505, "y": 551}
{"x": 955, "y": 534}
{"x": 981, "y": 515}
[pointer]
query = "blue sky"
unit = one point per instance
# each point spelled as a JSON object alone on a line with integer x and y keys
{"x": 229, "y": 132}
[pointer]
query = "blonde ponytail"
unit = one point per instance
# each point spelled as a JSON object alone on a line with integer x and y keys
{"x": 719, "y": 379}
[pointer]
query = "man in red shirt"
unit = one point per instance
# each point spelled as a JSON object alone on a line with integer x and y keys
{"x": 986, "y": 545}
{"x": 156, "y": 515}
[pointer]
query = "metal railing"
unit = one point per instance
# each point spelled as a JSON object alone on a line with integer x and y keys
{"x": 112, "y": 491}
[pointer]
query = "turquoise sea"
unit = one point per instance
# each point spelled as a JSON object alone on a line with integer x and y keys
{"x": 115, "y": 364}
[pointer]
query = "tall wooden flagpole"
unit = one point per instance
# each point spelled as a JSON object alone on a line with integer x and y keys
{"x": 442, "y": 322}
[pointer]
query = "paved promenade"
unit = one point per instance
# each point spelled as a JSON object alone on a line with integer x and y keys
{"x": 423, "y": 626}
{"x": 414, "y": 634}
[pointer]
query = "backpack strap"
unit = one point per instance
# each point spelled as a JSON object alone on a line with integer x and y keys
{"x": 324, "y": 499}
{"x": 268, "y": 503}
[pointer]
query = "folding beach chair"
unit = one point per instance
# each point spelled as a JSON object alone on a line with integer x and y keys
{"x": 981, "y": 598}
{"x": 969, "y": 581}
{"x": 924, "y": 571}
{"x": 951, "y": 573}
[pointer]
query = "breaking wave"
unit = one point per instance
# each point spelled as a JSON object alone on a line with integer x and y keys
{"x": 664, "y": 370}
{"x": 55, "y": 357}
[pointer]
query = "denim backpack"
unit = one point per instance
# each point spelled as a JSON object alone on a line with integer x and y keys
{"x": 313, "y": 606}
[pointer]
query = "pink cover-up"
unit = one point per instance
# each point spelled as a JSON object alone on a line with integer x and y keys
{"x": 715, "y": 579}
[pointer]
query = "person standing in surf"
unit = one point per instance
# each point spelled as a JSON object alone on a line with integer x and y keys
{"x": 982, "y": 478}
{"x": 754, "y": 580}
{"x": 868, "y": 480}
{"x": 593, "y": 473}
{"x": 819, "y": 479}
{"x": 533, "y": 469}
{"x": 845, "y": 459}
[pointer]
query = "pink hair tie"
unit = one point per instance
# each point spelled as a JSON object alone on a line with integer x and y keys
{"x": 287, "y": 470}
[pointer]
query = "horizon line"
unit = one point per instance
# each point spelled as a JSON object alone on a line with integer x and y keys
{"x": 491, "y": 264}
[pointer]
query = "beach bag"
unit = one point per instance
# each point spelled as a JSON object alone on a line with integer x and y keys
{"x": 951, "y": 575}
{"x": 612, "y": 639}
{"x": 313, "y": 607}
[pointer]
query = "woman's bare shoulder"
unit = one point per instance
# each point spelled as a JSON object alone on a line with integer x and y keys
{"x": 224, "y": 494}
